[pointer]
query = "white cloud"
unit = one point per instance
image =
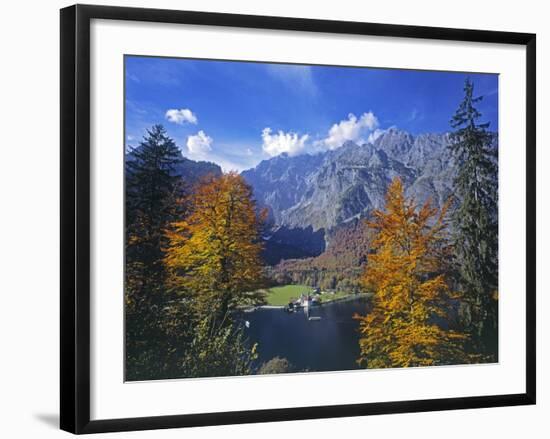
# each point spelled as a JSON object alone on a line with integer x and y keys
{"x": 358, "y": 130}
{"x": 181, "y": 116}
{"x": 275, "y": 144}
{"x": 375, "y": 135}
{"x": 199, "y": 144}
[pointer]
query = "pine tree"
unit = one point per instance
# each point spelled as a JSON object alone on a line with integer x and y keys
{"x": 152, "y": 194}
{"x": 475, "y": 219}
{"x": 153, "y": 201}
{"x": 408, "y": 324}
{"x": 214, "y": 254}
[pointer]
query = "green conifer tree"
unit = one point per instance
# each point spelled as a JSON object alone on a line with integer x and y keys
{"x": 475, "y": 217}
{"x": 153, "y": 200}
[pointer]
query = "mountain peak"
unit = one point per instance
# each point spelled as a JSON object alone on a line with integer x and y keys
{"x": 395, "y": 142}
{"x": 321, "y": 192}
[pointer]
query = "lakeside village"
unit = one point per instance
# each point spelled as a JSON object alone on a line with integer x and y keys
{"x": 294, "y": 298}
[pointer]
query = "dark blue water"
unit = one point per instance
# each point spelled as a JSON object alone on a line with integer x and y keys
{"x": 328, "y": 344}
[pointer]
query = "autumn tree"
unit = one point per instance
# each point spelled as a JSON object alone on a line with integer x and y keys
{"x": 214, "y": 254}
{"x": 339, "y": 267}
{"x": 475, "y": 219}
{"x": 408, "y": 323}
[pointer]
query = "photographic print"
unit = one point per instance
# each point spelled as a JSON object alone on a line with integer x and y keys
{"x": 288, "y": 218}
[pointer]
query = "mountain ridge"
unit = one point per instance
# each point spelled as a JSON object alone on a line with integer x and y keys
{"x": 319, "y": 193}
{"x": 335, "y": 186}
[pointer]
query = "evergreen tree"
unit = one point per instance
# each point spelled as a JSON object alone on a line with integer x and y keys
{"x": 475, "y": 218}
{"x": 153, "y": 201}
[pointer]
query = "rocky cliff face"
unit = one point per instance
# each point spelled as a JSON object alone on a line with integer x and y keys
{"x": 281, "y": 182}
{"x": 318, "y": 193}
{"x": 349, "y": 183}
{"x": 325, "y": 190}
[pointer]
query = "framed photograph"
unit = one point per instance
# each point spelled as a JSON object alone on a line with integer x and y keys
{"x": 268, "y": 218}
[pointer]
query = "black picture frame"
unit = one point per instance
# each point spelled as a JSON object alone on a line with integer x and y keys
{"x": 75, "y": 217}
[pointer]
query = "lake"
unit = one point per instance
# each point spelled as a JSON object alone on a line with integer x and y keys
{"x": 330, "y": 343}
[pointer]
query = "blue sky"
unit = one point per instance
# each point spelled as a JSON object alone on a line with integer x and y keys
{"x": 239, "y": 113}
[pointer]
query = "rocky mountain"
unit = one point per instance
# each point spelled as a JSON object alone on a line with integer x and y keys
{"x": 281, "y": 182}
{"x": 350, "y": 182}
{"x": 310, "y": 196}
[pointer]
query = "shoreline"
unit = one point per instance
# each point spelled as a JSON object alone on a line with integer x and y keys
{"x": 340, "y": 299}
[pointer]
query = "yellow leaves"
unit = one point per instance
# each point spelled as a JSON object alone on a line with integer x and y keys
{"x": 405, "y": 275}
{"x": 214, "y": 255}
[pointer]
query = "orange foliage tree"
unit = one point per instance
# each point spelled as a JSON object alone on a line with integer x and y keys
{"x": 406, "y": 272}
{"x": 214, "y": 253}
